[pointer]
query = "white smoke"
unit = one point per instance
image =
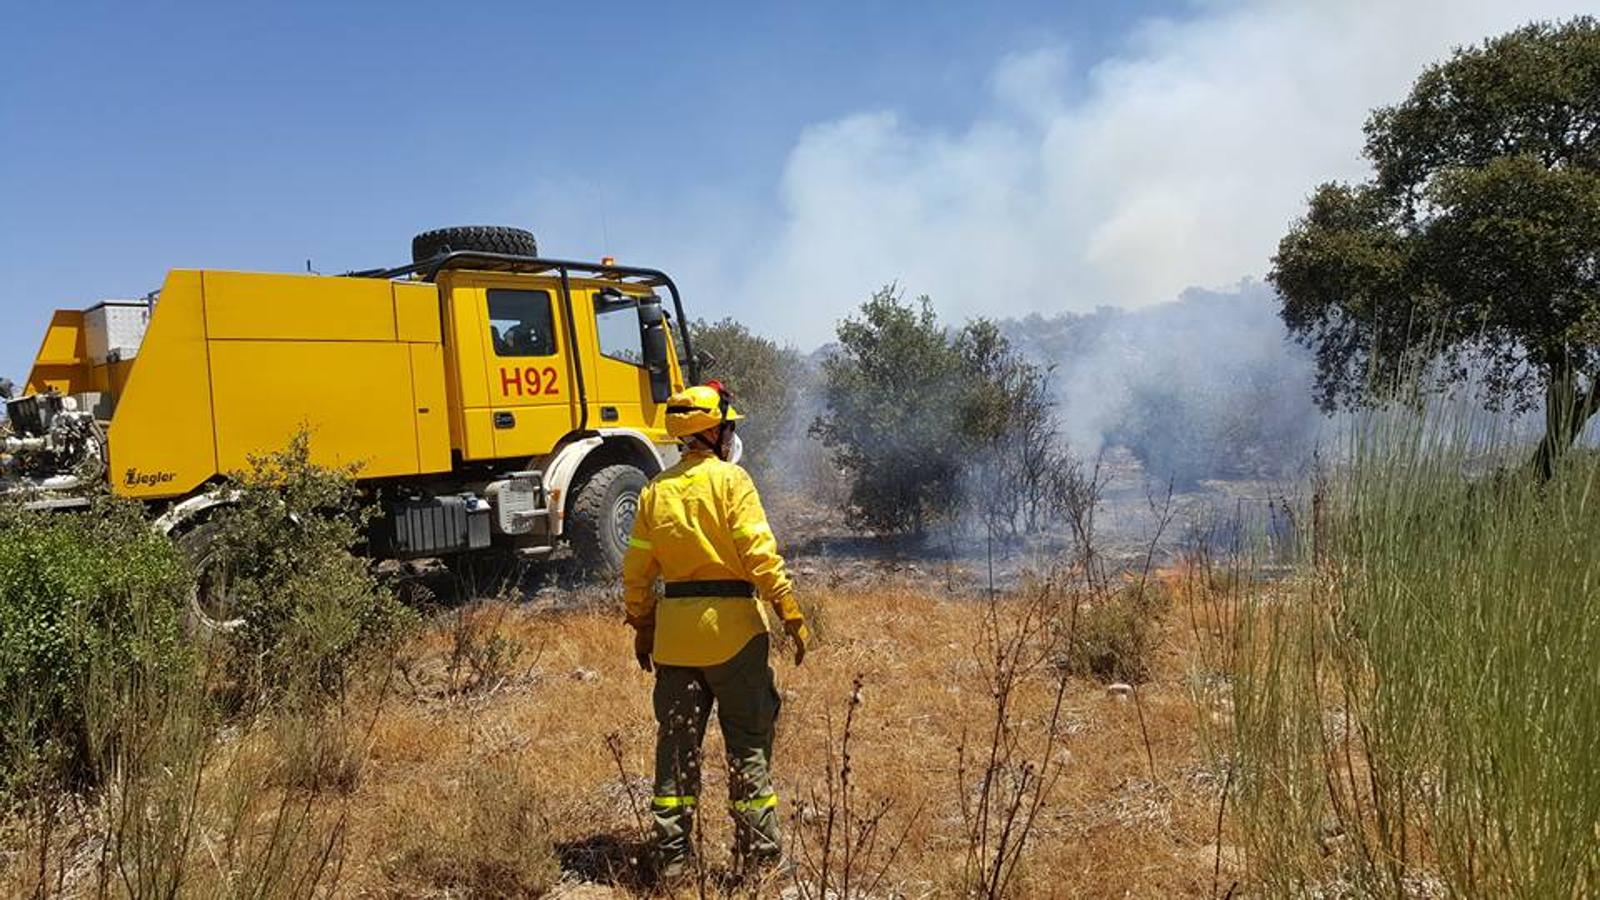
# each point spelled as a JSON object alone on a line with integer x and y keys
{"x": 1208, "y": 386}
{"x": 1178, "y": 161}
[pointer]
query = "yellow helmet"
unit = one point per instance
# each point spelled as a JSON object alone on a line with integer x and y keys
{"x": 695, "y": 409}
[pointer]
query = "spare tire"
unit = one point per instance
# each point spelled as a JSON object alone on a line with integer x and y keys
{"x": 479, "y": 238}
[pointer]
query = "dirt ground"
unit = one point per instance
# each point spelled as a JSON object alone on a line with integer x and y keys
{"x": 551, "y": 730}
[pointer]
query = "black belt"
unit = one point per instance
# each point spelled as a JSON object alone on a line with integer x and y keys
{"x": 729, "y": 588}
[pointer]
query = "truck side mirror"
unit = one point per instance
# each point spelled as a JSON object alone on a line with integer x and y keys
{"x": 657, "y": 357}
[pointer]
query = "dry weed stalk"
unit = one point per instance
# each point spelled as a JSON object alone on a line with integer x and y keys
{"x": 614, "y": 745}
{"x": 1078, "y": 499}
{"x": 1163, "y": 511}
{"x": 847, "y": 861}
{"x": 482, "y": 654}
{"x": 1003, "y": 786}
{"x": 643, "y": 832}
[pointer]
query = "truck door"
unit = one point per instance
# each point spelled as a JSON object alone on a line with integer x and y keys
{"x": 528, "y": 357}
{"x": 632, "y": 372}
{"x": 512, "y": 367}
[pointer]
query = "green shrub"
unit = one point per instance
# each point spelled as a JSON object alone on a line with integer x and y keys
{"x": 891, "y": 419}
{"x": 310, "y": 607}
{"x": 86, "y": 602}
{"x": 1114, "y": 637}
{"x": 929, "y": 423}
{"x": 100, "y": 685}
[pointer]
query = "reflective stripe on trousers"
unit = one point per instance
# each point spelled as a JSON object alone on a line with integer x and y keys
{"x": 755, "y": 804}
{"x": 747, "y": 708}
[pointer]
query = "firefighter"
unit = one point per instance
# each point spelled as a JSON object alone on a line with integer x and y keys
{"x": 701, "y": 529}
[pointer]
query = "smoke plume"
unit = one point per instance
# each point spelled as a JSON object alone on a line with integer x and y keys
{"x": 1208, "y": 386}
{"x": 1177, "y": 161}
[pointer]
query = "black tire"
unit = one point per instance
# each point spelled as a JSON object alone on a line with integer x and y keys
{"x": 602, "y": 518}
{"x": 211, "y": 612}
{"x": 482, "y": 238}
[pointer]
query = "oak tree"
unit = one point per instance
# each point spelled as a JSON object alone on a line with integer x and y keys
{"x": 1472, "y": 251}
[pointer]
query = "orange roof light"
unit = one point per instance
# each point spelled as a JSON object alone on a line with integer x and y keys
{"x": 608, "y": 260}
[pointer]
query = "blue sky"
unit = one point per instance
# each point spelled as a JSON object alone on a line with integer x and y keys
{"x": 781, "y": 160}
{"x": 138, "y": 138}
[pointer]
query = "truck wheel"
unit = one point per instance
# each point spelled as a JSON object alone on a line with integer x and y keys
{"x": 602, "y": 518}
{"x": 213, "y": 610}
{"x": 482, "y": 238}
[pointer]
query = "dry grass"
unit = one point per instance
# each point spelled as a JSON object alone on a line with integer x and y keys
{"x": 1107, "y": 828}
{"x": 491, "y": 767}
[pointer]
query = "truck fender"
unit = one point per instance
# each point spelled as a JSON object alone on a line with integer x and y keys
{"x": 174, "y": 519}
{"x": 558, "y": 477}
{"x": 641, "y": 445}
{"x": 562, "y": 472}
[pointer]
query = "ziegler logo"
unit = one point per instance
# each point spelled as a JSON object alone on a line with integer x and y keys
{"x": 136, "y": 478}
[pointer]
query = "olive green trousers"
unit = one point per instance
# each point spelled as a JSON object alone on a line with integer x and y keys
{"x": 747, "y": 707}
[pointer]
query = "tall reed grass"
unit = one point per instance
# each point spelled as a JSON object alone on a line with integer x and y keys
{"x": 1418, "y": 711}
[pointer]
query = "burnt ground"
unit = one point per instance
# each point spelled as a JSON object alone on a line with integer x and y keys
{"x": 1137, "y": 523}
{"x": 1139, "y": 517}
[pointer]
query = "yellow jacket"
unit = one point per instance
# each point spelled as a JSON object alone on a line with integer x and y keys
{"x": 701, "y": 520}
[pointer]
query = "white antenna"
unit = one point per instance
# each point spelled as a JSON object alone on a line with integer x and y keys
{"x": 605, "y": 230}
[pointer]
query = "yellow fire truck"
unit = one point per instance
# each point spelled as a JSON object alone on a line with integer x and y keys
{"x": 494, "y": 401}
